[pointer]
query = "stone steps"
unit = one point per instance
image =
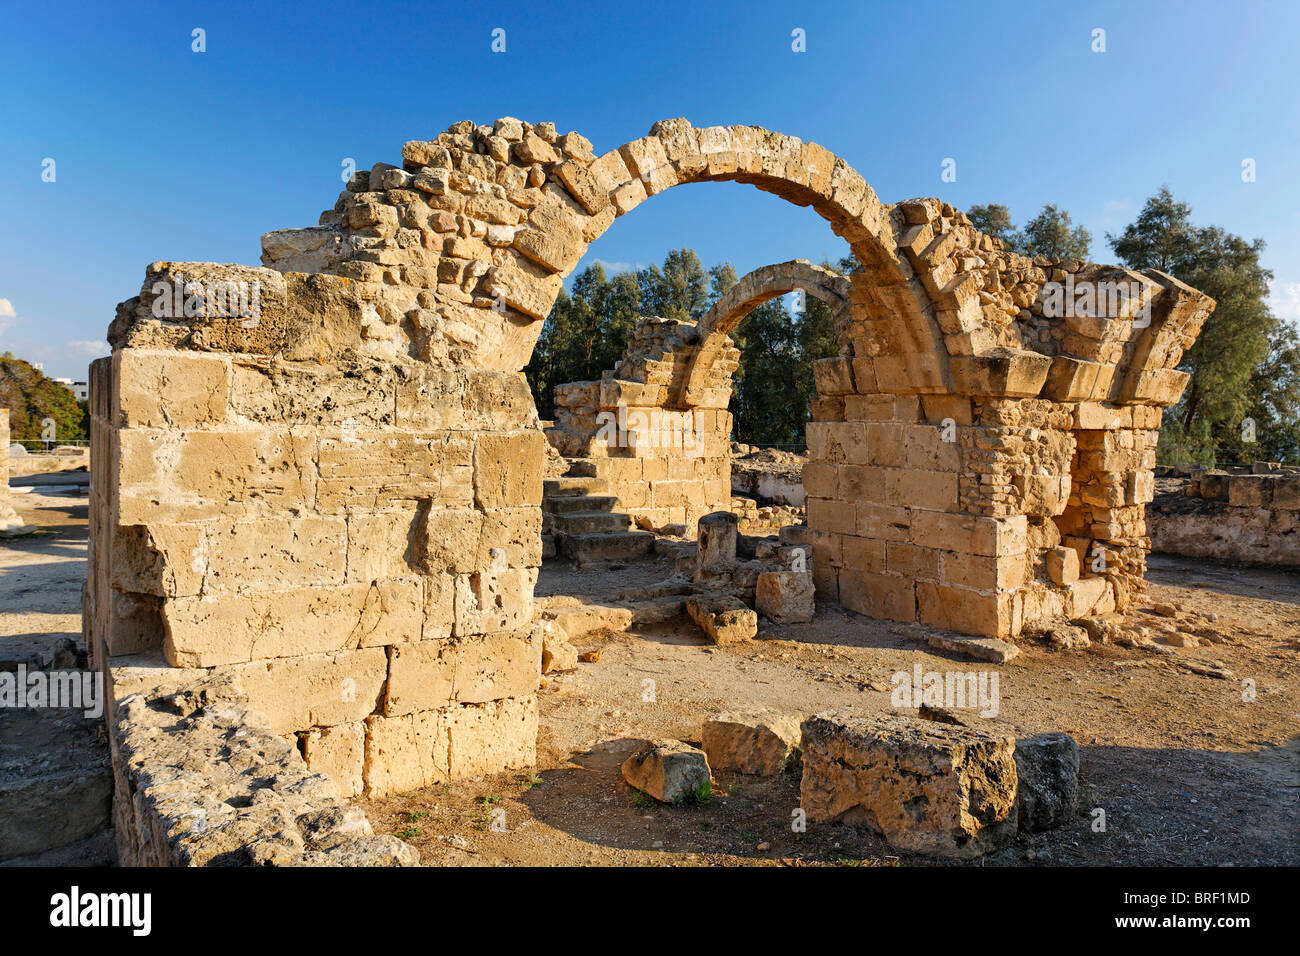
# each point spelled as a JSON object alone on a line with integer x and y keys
{"x": 571, "y": 485}
{"x": 591, "y": 522}
{"x": 581, "y": 523}
{"x": 573, "y": 503}
{"x": 615, "y": 546}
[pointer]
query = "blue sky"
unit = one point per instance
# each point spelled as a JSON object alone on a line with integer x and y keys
{"x": 164, "y": 153}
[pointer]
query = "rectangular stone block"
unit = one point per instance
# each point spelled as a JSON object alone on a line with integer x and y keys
{"x": 969, "y": 534}
{"x": 433, "y": 675}
{"x": 315, "y": 690}
{"x": 188, "y": 475}
{"x": 508, "y": 469}
{"x": 338, "y": 752}
{"x": 170, "y": 388}
{"x": 494, "y": 600}
{"x": 925, "y": 490}
{"x": 219, "y": 629}
{"x": 967, "y": 611}
{"x": 884, "y": 596}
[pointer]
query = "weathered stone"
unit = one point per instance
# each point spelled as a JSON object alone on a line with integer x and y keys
{"x": 1047, "y": 767}
{"x": 785, "y": 597}
{"x": 724, "y": 619}
{"x": 762, "y": 743}
{"x": 925, "y": 787}
{"x": 669, "y": 770}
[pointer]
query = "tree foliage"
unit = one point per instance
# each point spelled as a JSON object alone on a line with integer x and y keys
{"x": 587, "y": 332}
{"x": 1051, "y": 233}
{"x": 31, "y": 398}
{"x": 1246, "y": 362}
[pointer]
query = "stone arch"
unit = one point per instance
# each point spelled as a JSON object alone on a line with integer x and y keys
{"x": 536, "y": 200}
{"x": 364, "y": 454}
{"x": 755, "y": 288}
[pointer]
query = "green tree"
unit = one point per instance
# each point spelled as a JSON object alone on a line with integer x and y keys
{"x": 1246, "y": 362}
{"x": 1052, "y": 233}
{"x": 993, "y": 220}
{"x": 32, "y": 398}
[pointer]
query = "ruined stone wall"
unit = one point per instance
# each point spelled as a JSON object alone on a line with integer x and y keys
{"x": 666, "y": 464}
{"x": 333, "y": 495}
{"x": 200, "y": 779}
{"x": 1254, "y": 518}
{"x": 355, "y": 540}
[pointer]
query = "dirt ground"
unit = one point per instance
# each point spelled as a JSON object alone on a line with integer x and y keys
{"x": 1186, "y": 771}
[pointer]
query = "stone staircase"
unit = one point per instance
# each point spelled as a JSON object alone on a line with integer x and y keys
{"x": 582, "y": 522}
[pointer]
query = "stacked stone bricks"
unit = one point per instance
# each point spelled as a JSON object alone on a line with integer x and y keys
{"x": 338, "y": 497}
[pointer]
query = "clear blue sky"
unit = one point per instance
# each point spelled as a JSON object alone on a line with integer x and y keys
{"x": 164, "y": 153}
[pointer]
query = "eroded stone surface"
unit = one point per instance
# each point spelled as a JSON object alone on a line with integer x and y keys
{"x": 761, "y": 742}
{"x": 668, "y": 770}
{"x": 926, "y": 787}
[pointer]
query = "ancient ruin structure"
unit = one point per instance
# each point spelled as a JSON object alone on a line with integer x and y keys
{"x": 324, "y": 476}
{"x": 656, "y": 427}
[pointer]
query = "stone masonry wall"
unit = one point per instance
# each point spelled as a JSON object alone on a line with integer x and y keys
{"x": 1254, "y": 518}
{"x": 356, "y": 541}
{"x": 332, "y": 491}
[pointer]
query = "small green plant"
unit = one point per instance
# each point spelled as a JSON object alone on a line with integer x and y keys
{"x": 418, "y": 815}
{"x": 703, "y": 793}
{"x": 408, "y": 833}
{"x": 488, "y": 801}
{"x": 529, "y": 780}
{"x": 642, "y": 799}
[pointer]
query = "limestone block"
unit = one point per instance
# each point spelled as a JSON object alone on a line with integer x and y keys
{"x": 929, "y": 788}
{"x": 970, "y": 612}
{"x": 889, "y": 597}
{"x": 1047, "y": 767}
{"x": 724, "y": 619}
{"x": 834, "y": 375}
{"x": 508, "y": 469}
{"x": 169, "y": 388}
{"x": 763, "y": 742}
{"x": 785, "y": 597}
{"x": 315, "y": 690}
{"x": 668, "y": 770}
{"x": 497, "y": 600}
{"x": 339, "y": 753}
{"x": 1062, "y": 565}
{"x": 492, "y": 737}
{"x": 405, "y": 753}
{"x": 208, "y": 630}
{"x": 433, "y": 675}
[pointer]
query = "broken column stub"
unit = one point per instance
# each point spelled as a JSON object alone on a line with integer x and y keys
{"x": 717, "y": 542}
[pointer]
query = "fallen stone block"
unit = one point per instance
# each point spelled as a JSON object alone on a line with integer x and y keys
{"x": 980, "y": 648}
{"x": 925, "y": 787}
{"x": 723, "y": 618}
{"x": 762, "y": 743}
{"x": 785, "y": 597}
{"x": 1047, "y": 766}
{"x": 668, "y": 770}
{"x": 582, "y": 619}
{"x": 557, "y": 653}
